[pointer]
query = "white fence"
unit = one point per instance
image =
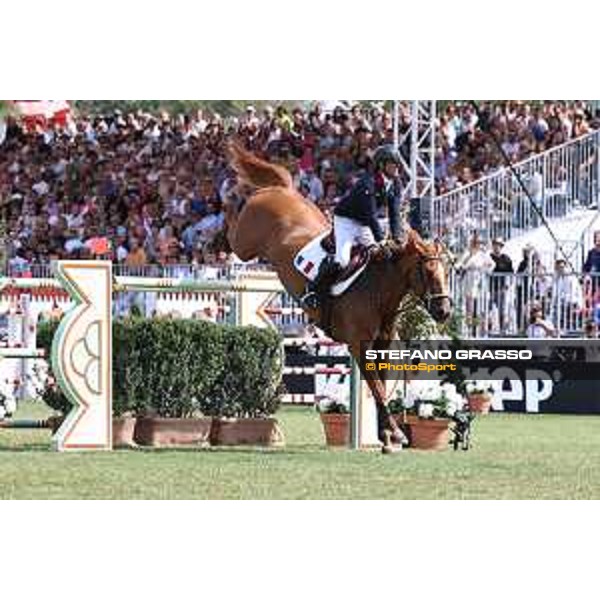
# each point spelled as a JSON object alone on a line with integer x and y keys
{"x": 558, "y": 181}
{"x": 490, "y": 304}
{"x": 501, "y": 304}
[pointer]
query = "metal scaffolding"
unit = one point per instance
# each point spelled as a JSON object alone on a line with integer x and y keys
{"x": 414, "y": 136}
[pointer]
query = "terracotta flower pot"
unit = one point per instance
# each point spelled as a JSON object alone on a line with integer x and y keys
{"x": 246, "y": 432}
{"x": 337, "y": 428}
{"x": 479, "y": 403}
{"x": 161, "y": 432}
{"x": 428, "y": 434}
{"x": 122, "y": 432}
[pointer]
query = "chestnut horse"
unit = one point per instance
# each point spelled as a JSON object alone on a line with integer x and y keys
{"x": 276, "y": 222}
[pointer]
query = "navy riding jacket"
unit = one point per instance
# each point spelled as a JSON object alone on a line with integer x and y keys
{"x": 363, "y": 201}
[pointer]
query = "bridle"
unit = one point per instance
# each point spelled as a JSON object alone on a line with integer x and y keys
{"x": 429, "y": 296}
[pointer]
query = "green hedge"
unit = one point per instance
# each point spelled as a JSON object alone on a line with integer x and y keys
{"x": 181, "y": 368}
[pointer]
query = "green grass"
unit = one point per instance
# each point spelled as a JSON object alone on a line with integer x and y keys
{"x": 514, "y": 456}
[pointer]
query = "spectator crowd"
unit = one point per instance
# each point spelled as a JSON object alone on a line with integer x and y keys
{"x": 149, "y": 189}
{"x": 468, "y": 139}
{"x": 502, "y": 298}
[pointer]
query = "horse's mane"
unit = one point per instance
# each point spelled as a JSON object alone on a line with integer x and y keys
{"x": 412, "y": 244}
{"x": 255, "y": 172}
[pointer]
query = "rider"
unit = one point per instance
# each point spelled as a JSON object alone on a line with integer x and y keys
{"x": 355, "y": 218}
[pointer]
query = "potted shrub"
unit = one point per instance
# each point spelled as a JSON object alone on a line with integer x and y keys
{"x": 168, "y": 365}
{"x": 143, "y": 385}
{"x": 427, "y": 413}
{"x": 249, "y": 388}
{"x": 479, "y": 396}
{"x": 176, "y": 375}
{"x": 335, "y": 416}
{"x": 125, "y": 388}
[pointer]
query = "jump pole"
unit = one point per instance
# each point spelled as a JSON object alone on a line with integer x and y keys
{"x": 21, "y": 353}
{"x": 355, "y": 389}
{"x": 363, "y": 412}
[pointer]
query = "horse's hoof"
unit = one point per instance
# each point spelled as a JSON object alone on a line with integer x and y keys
{"x": 399, "y": 438}
{"x": 390, "y": 449}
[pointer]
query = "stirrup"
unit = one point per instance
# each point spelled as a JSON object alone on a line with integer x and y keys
{"x": 310, "y": 300}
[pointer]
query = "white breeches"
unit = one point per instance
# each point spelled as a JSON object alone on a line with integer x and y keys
{"x": 347, "y": 233}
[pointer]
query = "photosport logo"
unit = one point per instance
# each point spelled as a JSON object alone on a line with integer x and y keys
{"x": 526, "y": 375}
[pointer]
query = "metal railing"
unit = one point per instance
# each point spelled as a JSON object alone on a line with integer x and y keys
{"x": 501, "y": 304}
{"x": 558, "y": 180}
{"x": 585, "y": 242}
{"x": 487, "y": 303}
{"x": 198, "y": 272}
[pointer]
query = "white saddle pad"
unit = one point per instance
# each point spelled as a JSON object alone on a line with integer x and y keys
{"x": 309, "y": 259}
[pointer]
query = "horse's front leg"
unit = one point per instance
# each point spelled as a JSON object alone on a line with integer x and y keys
{"x": 388, "y": 431}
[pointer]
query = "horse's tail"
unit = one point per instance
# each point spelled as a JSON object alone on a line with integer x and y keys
{"x": 255, "y": 172}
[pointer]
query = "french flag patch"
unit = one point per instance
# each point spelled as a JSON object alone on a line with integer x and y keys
{"x": 306, "y": 266}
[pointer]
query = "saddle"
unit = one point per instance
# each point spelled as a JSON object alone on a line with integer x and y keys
{"x": 331, "y": 274}
{"x": 359, "y": 255}
{"x": 328, "y": 242}
{"x": 316, "y": 261}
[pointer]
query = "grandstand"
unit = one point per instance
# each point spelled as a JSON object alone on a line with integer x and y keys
{"x": 146, "y": 190}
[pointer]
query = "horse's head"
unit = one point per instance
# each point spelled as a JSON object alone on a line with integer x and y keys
{"x": 429, "y": 275}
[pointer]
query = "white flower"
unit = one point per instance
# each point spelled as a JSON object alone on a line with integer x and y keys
{"x": 479, "y": 387}
{"x": 325, "y": 404}
{"x": 470, "y": 387}
{"x": 453, "y": 397}
{"x": 10, "y": 406}
{"x": 328, "y": 403}
{"x": 425, "y": 410}
{"x": 409, "y": 401}
{"x": 431, "y": 392}
{"x": 418, "y": 386}
{"x": 449, "y": 389}
{"x": 455, "y": 404}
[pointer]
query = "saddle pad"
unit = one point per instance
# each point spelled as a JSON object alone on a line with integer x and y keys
{"x": 309, "y": 259}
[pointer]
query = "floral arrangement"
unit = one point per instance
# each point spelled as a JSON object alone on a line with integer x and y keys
{"x": 13, "y": 387}
{"x": 429, "y": 400}
{"x": 8, "y": 404}
{"x": 479, "y": 387}
{"x": 330, "y": 405}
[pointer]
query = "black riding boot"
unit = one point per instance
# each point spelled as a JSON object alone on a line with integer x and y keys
{"x": 316, "y": 289}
